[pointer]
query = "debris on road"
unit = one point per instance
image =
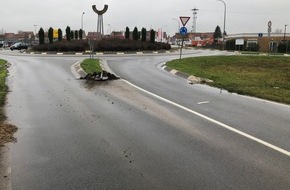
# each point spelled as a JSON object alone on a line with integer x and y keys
{"x": 101, "y": 76}
{"x": 6, "y": 133}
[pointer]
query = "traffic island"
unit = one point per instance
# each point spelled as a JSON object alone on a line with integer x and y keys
{"x": 93, "y": 69}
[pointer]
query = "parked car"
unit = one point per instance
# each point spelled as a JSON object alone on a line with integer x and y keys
{"x": 18, "y": 46}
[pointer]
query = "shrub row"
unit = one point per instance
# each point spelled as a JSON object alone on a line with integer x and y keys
{"x": 102, "y": 45}
{"x": 63, "y": 46}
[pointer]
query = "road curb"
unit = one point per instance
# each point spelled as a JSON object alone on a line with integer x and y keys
{"x": 190, "y": 78}
{"x": 77, "y": 70}
{"x": 79, "y": 73}
{"x": 101, "y": 53}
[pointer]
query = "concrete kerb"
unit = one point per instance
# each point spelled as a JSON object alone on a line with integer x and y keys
{"x": 190, "y": 78}
{"x": 77, "y": 70}
{"x": 99, "y": 53}
{"x": 105, "y": 67}
{"x": 79, "y": 73}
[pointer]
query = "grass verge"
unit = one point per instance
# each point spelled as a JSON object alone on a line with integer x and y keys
{"x": 91, "y": 66}
{"x": 6, "y": 130}
{"x": 266, "y": 77}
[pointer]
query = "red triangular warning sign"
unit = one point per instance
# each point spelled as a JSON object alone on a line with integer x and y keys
{"x": 184, "y": 20}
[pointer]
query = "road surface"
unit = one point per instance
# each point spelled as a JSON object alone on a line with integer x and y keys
{"x": 161, "y": 134}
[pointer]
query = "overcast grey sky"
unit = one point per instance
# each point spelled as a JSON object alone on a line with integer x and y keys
{"x": 243, "y": 16}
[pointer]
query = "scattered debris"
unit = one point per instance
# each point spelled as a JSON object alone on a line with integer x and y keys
{"x": 100, "y": 76}
{"x": 6, "y": 133}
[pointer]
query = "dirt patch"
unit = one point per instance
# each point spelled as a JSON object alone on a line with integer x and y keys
{"x": 92, "y": 84}
{"x": 6, "y": 133}
{"x": 100, "y": 76}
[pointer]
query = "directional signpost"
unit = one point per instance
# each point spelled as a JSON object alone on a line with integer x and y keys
{"x": 183, "y": 30}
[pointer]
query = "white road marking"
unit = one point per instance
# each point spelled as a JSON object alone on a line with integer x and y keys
{"x": 278, "y": 149}
{"x": 205, "y": 102}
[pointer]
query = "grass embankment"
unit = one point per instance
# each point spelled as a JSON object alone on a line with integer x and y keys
{"x": 265, "y": 77}
{"x": 91, "y": 66}
{"x": 6, "y": 130}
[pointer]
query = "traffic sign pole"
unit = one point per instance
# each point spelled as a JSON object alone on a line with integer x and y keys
{"x": 183, "y": 31}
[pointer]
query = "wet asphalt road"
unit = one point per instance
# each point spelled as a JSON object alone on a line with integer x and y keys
{"x": 75, "y": 134}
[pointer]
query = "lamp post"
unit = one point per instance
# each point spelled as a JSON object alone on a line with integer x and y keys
{"x": 83, "y": 21}
{"x": 35, "y": 36}
{"x": 109, "y": 29}
{"x": 162, "y": 32}
{"x": 285, "y": 32}
{"x": 285, "y": 38}
{"x": 178, "y": 24}
{"x": 225, "y": 14}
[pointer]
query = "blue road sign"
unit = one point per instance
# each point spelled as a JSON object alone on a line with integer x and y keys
{"x": 183, "y": 30}
{"x": 260, "y": 34}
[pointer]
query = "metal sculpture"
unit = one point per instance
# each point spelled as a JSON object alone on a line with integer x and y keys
{"x": 100, "y": 25}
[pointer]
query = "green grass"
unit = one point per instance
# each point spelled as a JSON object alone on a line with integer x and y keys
{"x": 3, "y": 88}
{"x": 266, "y": 77}
{"x": 91, "y": 66}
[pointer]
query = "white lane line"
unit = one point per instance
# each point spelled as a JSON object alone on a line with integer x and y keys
{"x": 205, "y": 102}
{"x": 285, "y": 152}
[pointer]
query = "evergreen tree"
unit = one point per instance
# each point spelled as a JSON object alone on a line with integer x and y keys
{"x": 72, "y": 35}
{"x": 81, "y": 34}
{"x": 144, "y": 35}
{"x": 152, "y": 36}
{"x": 135, "y": 34}
{"x": 127, "y": 33}
{"x": 217, "y": 34}
{"x": 76, "y": 35}
{"x": 41, "y": 36}
{"x": 67, "y": 33}
{"x": 50, "y": 35}
{"x": 59, "y": 35}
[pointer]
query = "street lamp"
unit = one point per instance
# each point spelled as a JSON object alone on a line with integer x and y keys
{"x": 225, "y": 12}
{"x": 83, "y": 21}
{"x": 285, "y": 32}
{"x": 162, "y": 32}
{"x": 35, "y": 36}
{"x": 109, "y": 29}
{"x": 178, "y": 24}
{"x": 35, "y": 28}
{"x": 285, "y": 38}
